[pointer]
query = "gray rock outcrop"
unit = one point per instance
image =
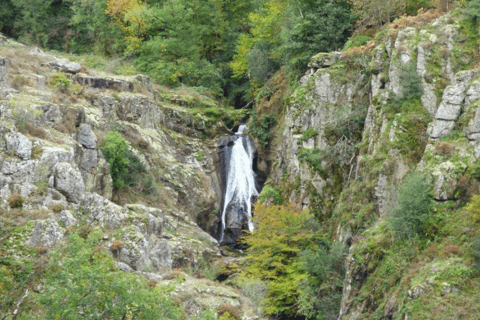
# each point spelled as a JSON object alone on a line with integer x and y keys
{"x": 450, "y": 107}
{"x": 65, "y": 65}
{"x": 86, "y": 137}
{"x": 46, "y": 233}
{"x": 68, "y": 180}
{"x": 19, "y": 144}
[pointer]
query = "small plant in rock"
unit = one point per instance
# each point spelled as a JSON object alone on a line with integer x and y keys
{"x": 16, "y": 201}
{"x": 270, "y": 192}
{"x": 410, "y": 82}
{"x": 116, "y": 247}
{"x": 57, "y": 207}
{"x": 444, "y": 148}
{"x": 228, "y": 312}
{"x": 60, "y": 82}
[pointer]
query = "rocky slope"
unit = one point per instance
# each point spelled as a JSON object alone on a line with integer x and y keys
{"x": 358, "y": 124}
{"x": 55, "y": 179}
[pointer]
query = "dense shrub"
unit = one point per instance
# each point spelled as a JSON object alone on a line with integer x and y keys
{"x": 16, "y": 200}
{"x": 414, "y": 203}
{"x": 88, "y": 285}
{"x": 410, "y": 82}
{"x": 270, "y": 192}
{"x": 476, "y": 250}
{"x": 115, "y": 152}
{"x": 262, "y": 127}
{"x": 321, "y": 292}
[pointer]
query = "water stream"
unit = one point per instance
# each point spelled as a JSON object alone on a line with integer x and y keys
{"x": 240, "y": 182}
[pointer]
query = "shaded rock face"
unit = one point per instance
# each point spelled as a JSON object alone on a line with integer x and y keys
{"x": 238, "y": 185}
{"x": 104, "y": 83}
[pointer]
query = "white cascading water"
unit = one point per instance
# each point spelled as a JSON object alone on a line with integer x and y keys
{"x": 240, "y": 186}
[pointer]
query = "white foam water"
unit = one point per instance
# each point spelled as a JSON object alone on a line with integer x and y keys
{"x": 240, "y": 178}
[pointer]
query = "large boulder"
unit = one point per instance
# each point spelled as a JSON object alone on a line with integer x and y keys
{"x": 65, "y": 65}
{"x": 19, "y": 144}
{"x": 86, "y": 137}
{"x": 68, "y": 180}
{"x": 46, "y": 233}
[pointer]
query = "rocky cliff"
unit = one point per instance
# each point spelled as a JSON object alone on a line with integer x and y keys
{"x": 54, "y": 114}
{"x": 358, "y": 124}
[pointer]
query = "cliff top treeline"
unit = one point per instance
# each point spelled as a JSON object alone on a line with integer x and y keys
{"x": 229, "y": 47}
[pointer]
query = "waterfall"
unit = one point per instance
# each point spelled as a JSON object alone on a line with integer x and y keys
{"x": 240, "y": 186}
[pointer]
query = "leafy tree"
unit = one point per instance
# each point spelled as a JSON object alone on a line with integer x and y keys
{"x": 377, "y": 12}
{"x": 274, "y": 254}
{"x": 8, "y": 14}
{"x": 40, "y": 22}
{"x": 83, "y": 282}
{"x": 115, "y": 152}
{"x": 266, "y": 25}
{"x": 181, "y": 43}
{"x": 321, "y": 291}
{"x": 315, "y": 26}
{"x": 414, "y": 203}
{"x": 91, "y": 28}
{"x": 473, "y": 9}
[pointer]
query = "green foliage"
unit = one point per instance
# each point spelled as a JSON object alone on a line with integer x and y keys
{"x": 410, "y": 82}
{"x": 92, "y": 29}
{"x": 60, "y": 82}
{"x": 312, "y": 157}
{"x": 315, "y": 26}
{"x": 115, "y": 152}
{"x": 356, "y": 41}
{"x": 473, "y": 10}
{"x": 270, "y": 192}
{"x": 378, "y": 12}
{"x": 321, "y": 292}
{"x": 412, "y": 7}
{"x": 349, "y": 127}
{"x": 413, "y": 120}
{"x": 82, "y": 280}
{"x": 307, "y": 134}
{"x": 261, "y": 128}
{"x": 274, "y": 254}
{"x": 414, "y": 204}
{"x": 182, "y": 40}
{"x": 136, "y": 174}
{"x": 476, "y": 250}
{"x": 33, "y": 20}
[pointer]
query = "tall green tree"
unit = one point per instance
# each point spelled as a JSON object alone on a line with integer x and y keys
{"x": 91, "y": 28}
{"x": 182, "y": 41}
{"x": 315, "y": 26}
{"x": 41, "y": 22}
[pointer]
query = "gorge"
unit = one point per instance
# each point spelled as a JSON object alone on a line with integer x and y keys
{"x": 130, "y": 185}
